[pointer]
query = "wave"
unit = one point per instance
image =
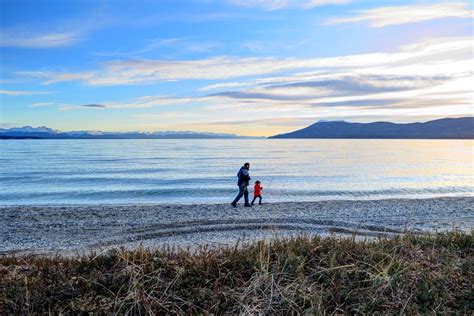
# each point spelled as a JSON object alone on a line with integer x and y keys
{"x": 113, "y": 179}
{"x": 206, "y": 194}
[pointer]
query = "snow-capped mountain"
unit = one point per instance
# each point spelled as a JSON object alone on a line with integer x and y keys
{"x": 48, "y": 133}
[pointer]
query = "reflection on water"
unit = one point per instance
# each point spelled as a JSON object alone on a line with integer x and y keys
{"x": 204, "y": 171}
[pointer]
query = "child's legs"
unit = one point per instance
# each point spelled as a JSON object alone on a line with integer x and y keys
{"x": 260, "y": 199}
{"x": 254, "y": 198}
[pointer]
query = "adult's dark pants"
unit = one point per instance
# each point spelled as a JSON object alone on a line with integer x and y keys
{"x": 242, "y": 191}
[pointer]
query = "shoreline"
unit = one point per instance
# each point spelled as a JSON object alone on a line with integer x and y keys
{"x": 71, "y": 228}
{"x": 355, "y": 199}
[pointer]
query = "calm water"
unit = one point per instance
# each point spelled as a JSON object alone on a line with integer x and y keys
{"x": 204, "y": 171}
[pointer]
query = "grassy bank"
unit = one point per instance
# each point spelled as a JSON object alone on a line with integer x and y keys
{"x": 306, "y": 274}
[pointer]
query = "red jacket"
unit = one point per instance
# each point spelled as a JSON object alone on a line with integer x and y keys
{"x": 257, "y": 190}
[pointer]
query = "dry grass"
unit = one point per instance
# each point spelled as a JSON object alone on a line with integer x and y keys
{"x": 411, "y": 274}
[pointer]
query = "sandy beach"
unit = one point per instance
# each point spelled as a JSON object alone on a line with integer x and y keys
{"x": 68, "y": 229}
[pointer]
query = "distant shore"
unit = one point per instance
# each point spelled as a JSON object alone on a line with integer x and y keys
{"x": 72, "y": 229}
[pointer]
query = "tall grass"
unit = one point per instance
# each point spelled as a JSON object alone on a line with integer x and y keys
{"x": 404, "y": 274}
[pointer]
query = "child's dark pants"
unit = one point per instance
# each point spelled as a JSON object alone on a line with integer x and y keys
{"x": 255, "y": 197}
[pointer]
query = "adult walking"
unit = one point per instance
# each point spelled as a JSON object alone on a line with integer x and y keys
{"x": 243, "y": 183}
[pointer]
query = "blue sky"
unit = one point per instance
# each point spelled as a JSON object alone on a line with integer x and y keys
{"x": 247, "y": 67}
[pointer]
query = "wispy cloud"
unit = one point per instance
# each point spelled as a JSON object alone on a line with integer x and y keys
{"x": 41, "y": 104}
{"x": 265, "y": 4}
{"x": 385, "y": 16}
{"x": 177, "y": 45}
{"x": 442, "y": 56}
{"x": 152, "y": 45}
{"x": 280, "y": 4}
{"x": 311, "y": 91}
{"x": 143, "y": 102}
{"x": 82, "y": 106}
{"x": 202, "y": 47}
{"x": 22, "y": 92}
{"x": 48, "y": 40}
{"x": 253, "y": 46}
{"x": 317, "y": 3}
{"x": 93, "y": 105}
{"x": 123, "y": 72}
{"x": 279, "y": 121}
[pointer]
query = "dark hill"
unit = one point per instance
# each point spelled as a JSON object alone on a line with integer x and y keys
{"x": 447, "y": 128}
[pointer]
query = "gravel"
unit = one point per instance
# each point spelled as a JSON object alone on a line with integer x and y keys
{"x": 72, "y": 229}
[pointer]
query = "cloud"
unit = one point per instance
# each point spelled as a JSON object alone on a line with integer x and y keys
{"x": 49, "y": 40}
{"x": 154, "y": 101}
{"x": 93, "y": 105}
{"x": 280, "y": 121}
{"x": 202, "y": 47}
{"x": 82, "y": 106}
{"x": 152, "y": 45}
{"x": 317, "y": 3}
{"x": 225, "y": 85}
{"x": 136, "y": 71}
{"x": 158, "y": 43}
{"x": 363, "y": 91}
{"x": 385, "y": 16}
{"x": 280, "y": 4}
{"x": 41, "y": 104}
{"x": 260, "y": 95}
{"x": 363, "y": 84}
{"x": 434, "y": 57}
{"x": 179, "y": 46}
{"x": 143, "y": 102}
{"x": 264, "y": 4}
{"x": 333, "y": 91}
{"x": 253, "y": 46}
{"x": 22, "y": 92}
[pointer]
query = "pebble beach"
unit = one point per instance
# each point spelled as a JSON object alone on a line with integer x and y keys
{"x": 72, "y": 229}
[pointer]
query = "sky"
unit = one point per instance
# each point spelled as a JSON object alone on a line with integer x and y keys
{"x": 247, "y": 67}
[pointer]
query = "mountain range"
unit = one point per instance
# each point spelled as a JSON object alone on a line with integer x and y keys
{"x": 447, "y": 128}
{"x": 28, "y": 132}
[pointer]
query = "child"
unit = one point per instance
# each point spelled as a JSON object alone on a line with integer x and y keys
{"x": 257, "y": 192}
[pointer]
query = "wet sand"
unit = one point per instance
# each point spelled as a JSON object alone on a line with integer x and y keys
{"x": 72, "y": 229}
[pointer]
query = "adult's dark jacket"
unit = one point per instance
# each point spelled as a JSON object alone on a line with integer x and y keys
{"x": 244, "y": 177}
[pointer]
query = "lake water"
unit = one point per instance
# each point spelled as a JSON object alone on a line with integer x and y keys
{"x": 204, "y": 171}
